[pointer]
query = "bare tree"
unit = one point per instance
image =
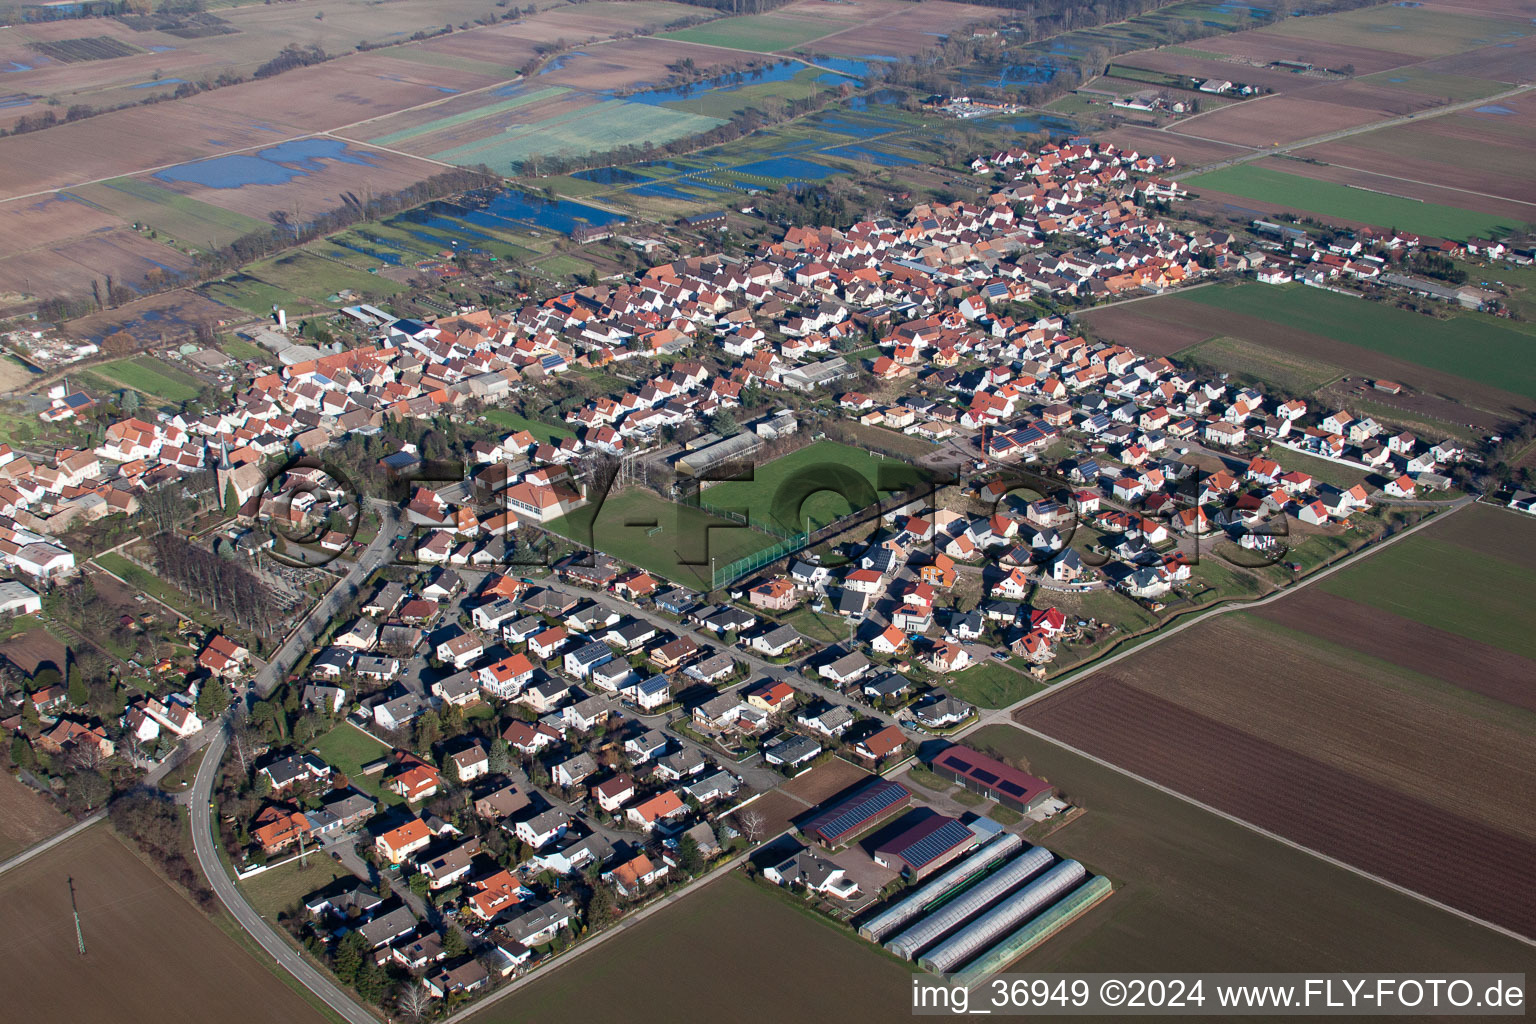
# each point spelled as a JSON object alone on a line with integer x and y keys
{"x": 414, "y": 1002}
{"x": 753, "y": 824}
{"x": 86, "y": 757}
{"x": 244, "y": 741}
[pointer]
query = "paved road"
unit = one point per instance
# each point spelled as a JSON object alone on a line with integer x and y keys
{"x": 200, "y": 796}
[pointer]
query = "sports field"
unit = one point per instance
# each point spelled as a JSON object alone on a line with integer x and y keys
{"x": 1198, "y": 892}
{"x": 817, "y": 485}
{"x": 718, "y": 942}
{"x": 151, "y": 956}
{"x": 675, "y": 541}
{"x": 151, "y": 377}
{"x": 1328, "y": 199}
{"x": 1475, "y": 347}
{"x": 758, "y": 33}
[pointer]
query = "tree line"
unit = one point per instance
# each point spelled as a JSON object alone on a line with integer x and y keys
{"x": 224, "y": 585}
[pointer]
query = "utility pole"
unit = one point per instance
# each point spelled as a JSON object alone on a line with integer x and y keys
{"x": 79, "y": 935}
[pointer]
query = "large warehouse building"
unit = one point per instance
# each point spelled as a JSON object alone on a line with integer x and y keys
{"x": 991, "y": 778}
{"x": 860, "y": 811}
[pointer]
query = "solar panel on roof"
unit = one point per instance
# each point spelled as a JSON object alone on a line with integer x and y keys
{"x": 936, "y": 843}
{"x": 860, "y": 808}
{"x": 983, "y": 776}
{"x": 1011, "y": 787}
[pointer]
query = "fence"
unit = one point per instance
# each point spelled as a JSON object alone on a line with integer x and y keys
{"x": 751, "y": 563}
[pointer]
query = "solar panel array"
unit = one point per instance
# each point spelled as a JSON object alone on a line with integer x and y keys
{"x": 936, "y": 843}
{"x": 859, "y": 808}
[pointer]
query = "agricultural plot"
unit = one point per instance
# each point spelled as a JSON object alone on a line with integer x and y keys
{"x": 125, "y": 910}
{"x": 817, "y": 484}
{"x": 675, "y": 541}
{"x": 757, "y": 33}
{"x": 1198, "y": 892}
{"x": 1420, "y": 31}
{"x": 1502, "y": 135}
{"x": 716, "y": 935}
{"x": 168, "y": 212}
{"x": 1473, "y": 347}
{"x": 1384, "y": 768}
{"x": 151, "y": 378}
{"x": 1468, "y": 588}
{"x": 26, "y": 817}
{"x": 1333, "y": 201}
{"x": 1250, "y": 361}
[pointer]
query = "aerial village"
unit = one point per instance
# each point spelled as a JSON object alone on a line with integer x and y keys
{"x": 636, "y": 717}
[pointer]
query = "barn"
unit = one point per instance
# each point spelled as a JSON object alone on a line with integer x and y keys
{"x": 846, "y": 818}
{"x": 991, "y": 778}
{"x": 926, "y": 846}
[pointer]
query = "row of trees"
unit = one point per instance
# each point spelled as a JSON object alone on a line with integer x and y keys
{"x": 222, "y": 584}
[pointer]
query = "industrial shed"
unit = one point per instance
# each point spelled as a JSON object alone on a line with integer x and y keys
{"x": 991, "y": 778}
{"x": 926, "y": 846}
{"x": 848, "y": 817}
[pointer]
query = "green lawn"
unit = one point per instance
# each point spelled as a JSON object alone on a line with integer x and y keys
{"x": 684, "y": 541}
{"x": 758, "y": 33}
{"x": 1331, "y": 473}
{"x": 278, "y": 890}
{"x": 817, "y": 484}
{"x": 1479, "y": 596}
{"x": 347, "y": 749}
{"x": 239, "y": 348}
{"x": 822, "y": 627}
{"x": 561, "y": 265}
{"x": 153, "y": 378}
{"x": 1468, "y": 345}
{"x": 317, "y": 278}
{"x": 546, "y": 432}
{"x": 1329, "y": 199}
{"x": 993, "y": 685}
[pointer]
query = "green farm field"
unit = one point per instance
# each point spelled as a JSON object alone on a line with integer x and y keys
{"x": 717, "y": 940}
{"x": 185, "y": 219}
{"x": 1475, "y": 347}
{"x": 757, "y": 33}
{"x": 151, "y": 377}
{"x": 686, "y": 540}
{"x": 1328, "y": 199}
{"x": 810, "y": 485}
{"x": 317, "y": 278}
{"x": 1435, "y": 83}
{"x": 1198, "y": 892}
{"x": 597, "y": 128}
{"x": 1472, "y": 590}
{"x": 1412, "y": 31}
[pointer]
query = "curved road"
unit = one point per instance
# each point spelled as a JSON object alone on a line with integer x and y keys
{"x": 200, "y": 796}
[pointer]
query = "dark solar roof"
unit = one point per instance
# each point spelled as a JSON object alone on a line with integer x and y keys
{"x": 928, "y": 840}
{"x": 991, "y": 773}
{"x": 847, "y": 816}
